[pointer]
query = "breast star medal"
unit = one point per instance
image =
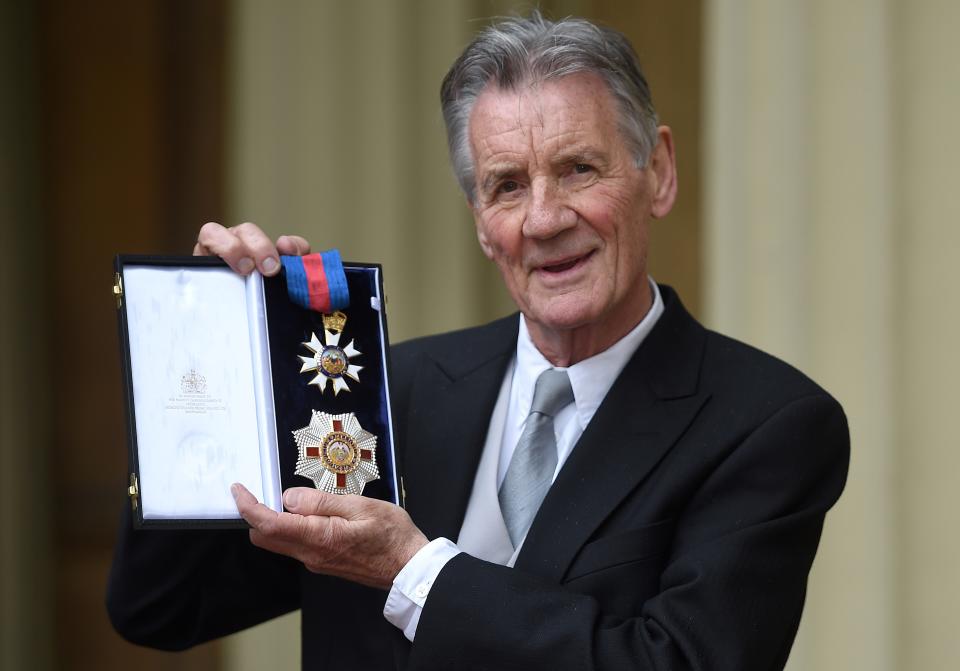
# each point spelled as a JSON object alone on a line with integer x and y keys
{"x": 336, "y": 453}
{"x": 329, "y": 361}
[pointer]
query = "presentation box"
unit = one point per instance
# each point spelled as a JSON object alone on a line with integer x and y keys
{"x": 227, "y": 380}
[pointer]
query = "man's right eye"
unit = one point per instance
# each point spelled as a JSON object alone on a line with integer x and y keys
{"x": 508, "y": 186}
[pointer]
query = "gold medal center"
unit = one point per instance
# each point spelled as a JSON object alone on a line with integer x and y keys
{"x": 339, "y": 452}
{"x": 333, "y": 361}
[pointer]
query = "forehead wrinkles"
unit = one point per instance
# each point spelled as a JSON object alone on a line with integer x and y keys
{"x": 527, "y": 125}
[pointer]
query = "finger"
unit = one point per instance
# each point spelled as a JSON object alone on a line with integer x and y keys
{"x": 293, "y": 245}
{"x": 248, "y": 506}
{"x": 255, "y": 513}
{"x": 209, "y": 231}
{"x": 214, "y": 239}
{"x": 278, "y": 532}
{"x": 259, "y": 246}
{"x": 271, "y": 526}
{"x": 308, "y": 501}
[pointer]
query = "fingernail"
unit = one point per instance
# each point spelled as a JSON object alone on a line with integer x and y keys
{"x": 290, "y": 498}
{"x": 245, "y": 265}
{"x": 269, "y": 265}
{"x": 235, "y": 490}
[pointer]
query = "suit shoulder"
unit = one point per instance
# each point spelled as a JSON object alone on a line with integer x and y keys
{"x": 735, "y": 367}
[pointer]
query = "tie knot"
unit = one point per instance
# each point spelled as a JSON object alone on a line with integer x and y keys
{"x": 552, "y": 392}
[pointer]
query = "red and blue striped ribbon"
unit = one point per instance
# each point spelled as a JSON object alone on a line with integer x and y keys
{"x": 317, "y": 281}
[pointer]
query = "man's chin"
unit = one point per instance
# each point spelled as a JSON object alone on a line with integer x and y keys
{"x": 564, "y": 314}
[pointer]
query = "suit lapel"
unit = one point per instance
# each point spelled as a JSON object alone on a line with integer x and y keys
{"x": 450, "y": 415}
{"x": 647, "y": 409}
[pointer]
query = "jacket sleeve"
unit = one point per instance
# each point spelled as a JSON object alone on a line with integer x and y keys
{"x": 174, "y": 589}
{"x": 730, "y": 594}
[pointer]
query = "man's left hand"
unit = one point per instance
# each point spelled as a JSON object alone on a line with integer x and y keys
{"x": 352, "y": 537}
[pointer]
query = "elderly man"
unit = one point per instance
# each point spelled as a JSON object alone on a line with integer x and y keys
{"x": 598, "y": 482}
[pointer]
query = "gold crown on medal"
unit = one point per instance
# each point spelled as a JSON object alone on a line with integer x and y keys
{"x": 335, "y": 321}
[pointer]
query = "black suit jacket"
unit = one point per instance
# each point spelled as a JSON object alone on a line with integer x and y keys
{"x": 678, "y": 535}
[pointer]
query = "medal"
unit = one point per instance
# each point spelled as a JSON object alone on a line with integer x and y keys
{"x": 328, "y": 360}
{"x": 336, "y": 453}
{"x": 334, "y": 450}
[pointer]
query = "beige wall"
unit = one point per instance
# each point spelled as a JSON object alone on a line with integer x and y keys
{"x": 831, "y": 224}
{"x": 925, "y": 244}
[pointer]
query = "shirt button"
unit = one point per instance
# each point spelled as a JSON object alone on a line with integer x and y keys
{"x": 422, "y": 591}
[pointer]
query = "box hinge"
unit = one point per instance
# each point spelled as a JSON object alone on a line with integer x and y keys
{"x": 133, "y": 491}
{"x": 118, "y": 289}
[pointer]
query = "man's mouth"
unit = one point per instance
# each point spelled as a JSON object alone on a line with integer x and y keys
{"x": 565, "y": 264}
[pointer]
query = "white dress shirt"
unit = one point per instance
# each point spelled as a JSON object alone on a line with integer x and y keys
{"x": 591, "y": 379}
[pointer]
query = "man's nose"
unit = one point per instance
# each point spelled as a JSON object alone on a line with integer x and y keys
{"x": 547, "y": 213}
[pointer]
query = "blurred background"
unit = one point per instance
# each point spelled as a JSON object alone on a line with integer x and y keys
{"x": 818, "y": 219}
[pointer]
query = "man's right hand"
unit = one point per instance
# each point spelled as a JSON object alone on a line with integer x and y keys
{"x": 246, "y": 247}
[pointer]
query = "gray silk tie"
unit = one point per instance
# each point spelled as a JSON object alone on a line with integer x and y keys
{"x": 531, "y": 469}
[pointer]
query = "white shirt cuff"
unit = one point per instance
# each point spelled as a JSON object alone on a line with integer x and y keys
{"x": 412, "y": 585}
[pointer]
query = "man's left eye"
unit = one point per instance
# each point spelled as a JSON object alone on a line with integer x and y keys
{"x": 582, "y": 168}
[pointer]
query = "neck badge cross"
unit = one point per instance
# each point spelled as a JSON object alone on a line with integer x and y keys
{"x": 329, "y": 360}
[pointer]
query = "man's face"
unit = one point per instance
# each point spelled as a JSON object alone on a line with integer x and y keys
{"x": 561, "y": 206}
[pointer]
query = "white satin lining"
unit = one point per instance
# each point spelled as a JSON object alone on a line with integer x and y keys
{"x": 200, "y": 371}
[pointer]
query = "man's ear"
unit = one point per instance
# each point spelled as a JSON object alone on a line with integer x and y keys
{"x": 481, "y": 235}
{"x": 482, "y": 238}
{"x": 663, "y": 168}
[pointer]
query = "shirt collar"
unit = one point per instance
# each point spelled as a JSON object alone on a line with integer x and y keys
{"x": 591, "y": 378}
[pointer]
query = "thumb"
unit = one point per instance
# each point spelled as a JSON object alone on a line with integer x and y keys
{"x": 308, "y": 501}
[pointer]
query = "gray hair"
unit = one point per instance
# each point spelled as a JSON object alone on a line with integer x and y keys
{"x": 518, "y": 51}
